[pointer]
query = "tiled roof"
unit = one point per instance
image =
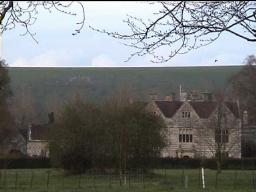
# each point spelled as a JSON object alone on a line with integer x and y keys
{"x": 233, "y": 108}
{"x": 39, "y": 132}
{"x": 204, "y": 109}
{"x": 168, "y": 108}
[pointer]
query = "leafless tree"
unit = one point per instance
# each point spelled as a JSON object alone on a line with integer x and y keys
{"x": 244, "y": 88}
{"x": 220, "y": 135}
{"x": 181, "y": 26}
{"x": 25, "y": 14}
{"x": 23, "y": 107}
{"x": 7, "y": 127}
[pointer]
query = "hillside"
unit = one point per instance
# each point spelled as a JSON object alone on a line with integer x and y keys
{"x": 46, "y": 86}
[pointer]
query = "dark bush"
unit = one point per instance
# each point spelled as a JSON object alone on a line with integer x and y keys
{"x": 75, "y": 162}
{"x": 177, "y": 163}
{"x": 167, "y": 163}
{"x": 24, "y": 163}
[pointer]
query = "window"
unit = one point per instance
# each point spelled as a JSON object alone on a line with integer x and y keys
{"x": 221, "y": 136}
{"x": 185, "y": 135}
{"x": 185, "y": 138}
{"x": 185, "y": 114}
{"x": 180, "y": 138}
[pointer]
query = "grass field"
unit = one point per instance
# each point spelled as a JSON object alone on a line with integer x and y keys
{"x": 39, "y": 180}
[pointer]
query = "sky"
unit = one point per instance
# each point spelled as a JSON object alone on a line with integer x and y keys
{"x": 57, "y": 46}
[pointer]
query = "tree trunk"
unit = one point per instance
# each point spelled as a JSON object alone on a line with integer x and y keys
{"x": 218, "y": 166}
{"x": 120, "y": 164}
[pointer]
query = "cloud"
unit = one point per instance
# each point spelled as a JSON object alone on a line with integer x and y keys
{"x": 103, "y": 61}
{"x": 43, "y": 60}
{"x": 51, "y": 58}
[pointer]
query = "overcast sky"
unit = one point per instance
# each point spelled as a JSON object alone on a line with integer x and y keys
{"x": 59, "y": 48}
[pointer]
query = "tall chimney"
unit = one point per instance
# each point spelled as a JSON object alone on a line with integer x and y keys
{"x": 29, "y": 132}
{"x": 183, "y": 95}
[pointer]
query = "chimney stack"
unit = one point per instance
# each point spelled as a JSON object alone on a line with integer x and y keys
{"x": 168, "y": 98}
{"x": 183, "y": 95}
{"x": 29, "y": 132}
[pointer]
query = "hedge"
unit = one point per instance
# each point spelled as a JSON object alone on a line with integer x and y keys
{"x": 176, "y": 163}
{"x": 24, "y": 163}
{"x": 166, "y": 163}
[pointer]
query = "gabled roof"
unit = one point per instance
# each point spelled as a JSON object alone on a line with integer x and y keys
{"x": 39, "y": 132}
{"x": 233, "y": 107}
{"x": 204, "y": 108}
{"x": 168, "y": 108}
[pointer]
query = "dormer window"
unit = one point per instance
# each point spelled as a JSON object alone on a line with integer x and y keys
{"x": 185, "y": 114}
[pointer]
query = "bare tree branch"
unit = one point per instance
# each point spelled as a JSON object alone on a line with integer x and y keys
{"x": 13, "y": 14}
{"x": 182, "y": 26}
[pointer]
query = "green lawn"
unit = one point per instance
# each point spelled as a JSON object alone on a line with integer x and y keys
{"x": 157, "y": 181}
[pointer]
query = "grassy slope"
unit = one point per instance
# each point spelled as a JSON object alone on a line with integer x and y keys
{"x": 44, "y": 84}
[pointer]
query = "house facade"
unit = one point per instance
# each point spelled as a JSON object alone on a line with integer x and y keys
{"x": 38, "y": 137}
{"x": 37, "y": 143}
{"x": 199, "y": 128}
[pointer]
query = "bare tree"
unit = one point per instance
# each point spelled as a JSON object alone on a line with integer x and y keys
{"x": 6, "y": 119}
{"x": 244, "y": 87}
{"x": 138, "y": 135}
{"x": 23, "y": 107}
{"x": 25, "y": 14}
{"x": 220, "y": 135}
{"x": 53, "y": 103}
{"x": 182, "y": 26}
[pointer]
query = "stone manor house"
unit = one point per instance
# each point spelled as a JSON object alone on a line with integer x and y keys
{"x": 192, "y": 121}
{"x": 196, "y": 127}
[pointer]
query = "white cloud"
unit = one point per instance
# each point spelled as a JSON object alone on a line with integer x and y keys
{"x": 48, "y": 59}
{"x": 51, "y": 58}
{"x": 102, "y": 61}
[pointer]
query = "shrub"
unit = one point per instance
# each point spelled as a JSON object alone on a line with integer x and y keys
{"x": 24, "y": 163}
{"x": 176, "y": 163}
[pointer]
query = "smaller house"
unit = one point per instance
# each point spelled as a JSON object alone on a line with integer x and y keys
{"x": 37, "y": 143}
